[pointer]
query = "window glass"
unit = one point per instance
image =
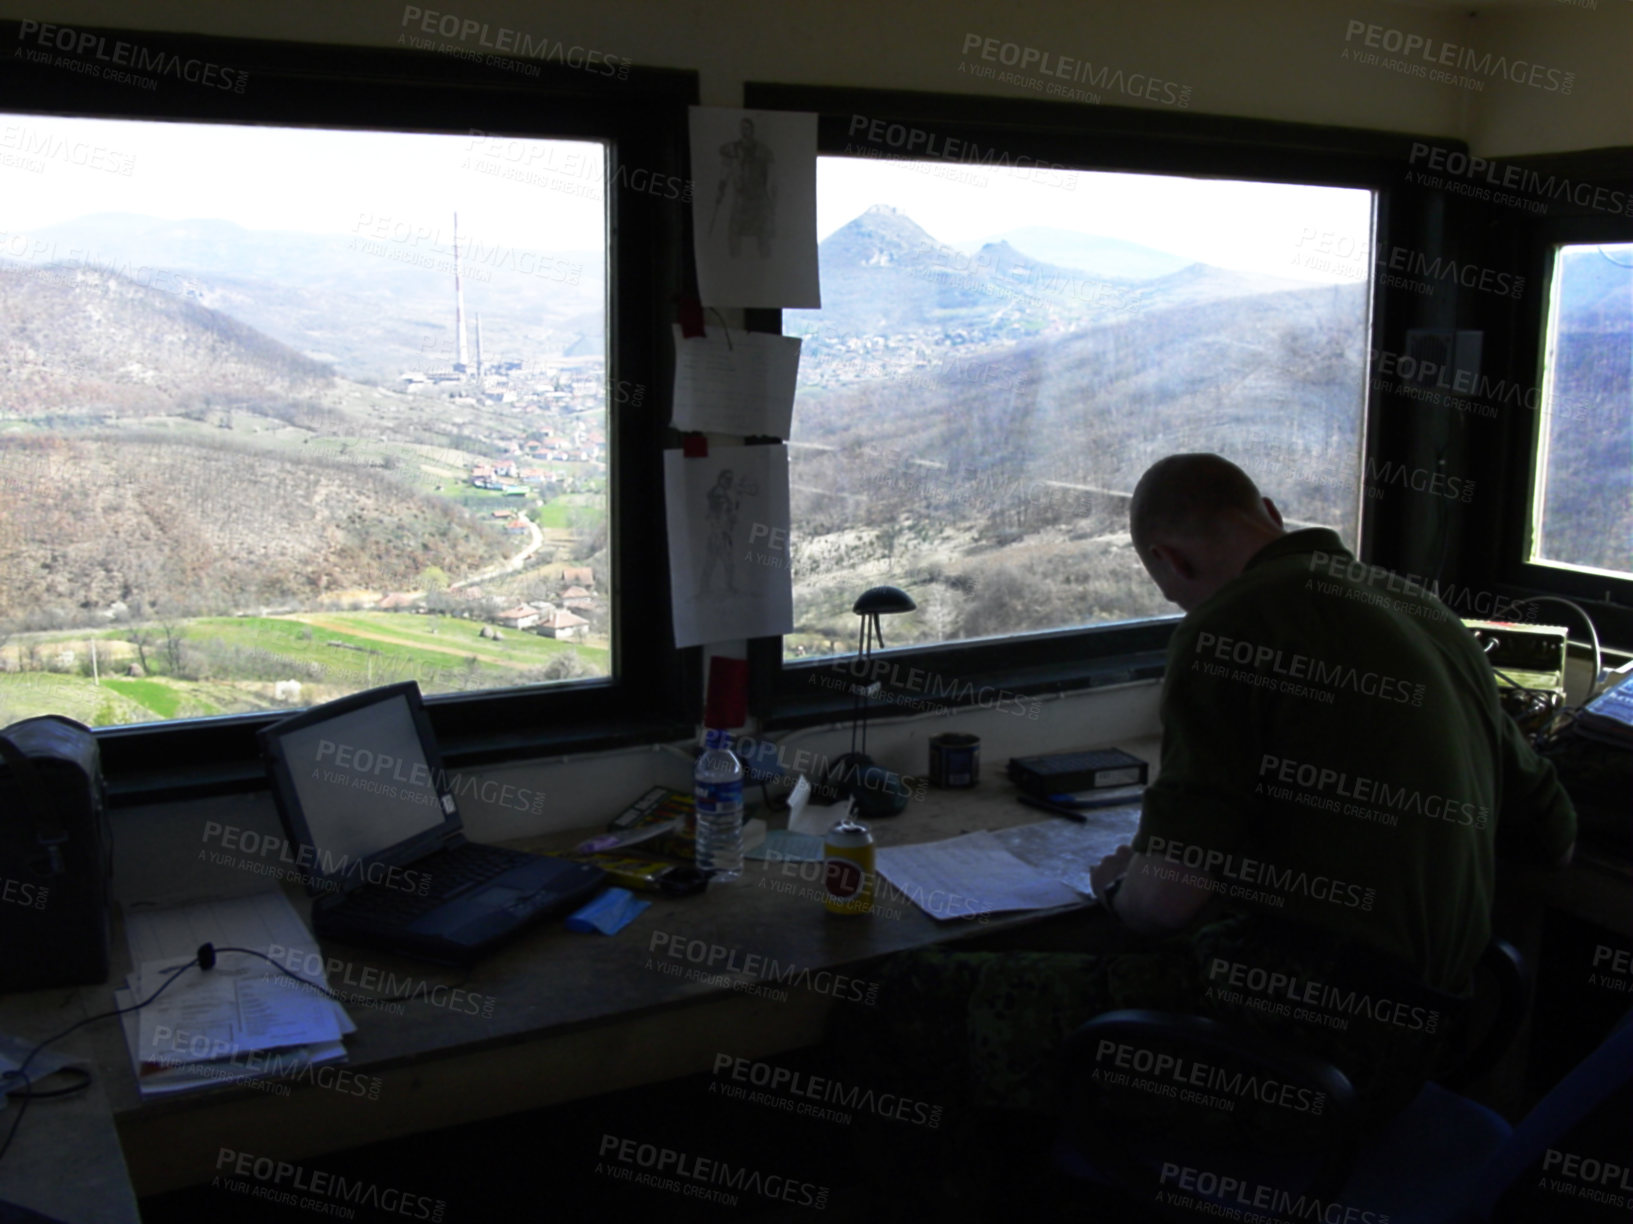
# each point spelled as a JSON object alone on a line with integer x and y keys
{"x": 1000, "y": 354}
{"x": 1583, "y": 511}
{"x": 265, "y": 441}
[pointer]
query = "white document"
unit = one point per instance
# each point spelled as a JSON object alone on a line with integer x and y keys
{"x": 237, "y": 1008}
{"x": 742, "y": 383}
{"x": 729, "y": 553}
{"x": 754, "y": 207}
{"x": 244, "y": 1001}
{"x": 188, "y": 1076}
{"x": 965, "y": 876}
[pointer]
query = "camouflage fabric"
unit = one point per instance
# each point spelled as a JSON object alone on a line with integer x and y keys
{"x": 986, "y": 1029}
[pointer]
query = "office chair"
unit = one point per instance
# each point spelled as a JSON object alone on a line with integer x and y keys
{"x": 1310, "y": 1144}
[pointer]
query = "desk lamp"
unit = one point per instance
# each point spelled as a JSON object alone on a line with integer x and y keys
{"x": 877, "y": 791}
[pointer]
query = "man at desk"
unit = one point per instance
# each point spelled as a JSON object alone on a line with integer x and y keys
{"x": 1336, "y": 778}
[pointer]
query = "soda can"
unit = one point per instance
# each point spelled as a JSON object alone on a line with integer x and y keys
{"x": 848, "y": 874}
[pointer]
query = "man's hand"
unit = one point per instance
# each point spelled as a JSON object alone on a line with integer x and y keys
{"x": 1152, "y": 900}
{"x": 1109, "y": 868}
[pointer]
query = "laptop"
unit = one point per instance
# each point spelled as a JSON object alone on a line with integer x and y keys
{"x": 373, "y": 827}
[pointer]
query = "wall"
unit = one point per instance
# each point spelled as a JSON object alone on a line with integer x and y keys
{"x": 1592, "y": 39}
{"x": 1270, "y": 59}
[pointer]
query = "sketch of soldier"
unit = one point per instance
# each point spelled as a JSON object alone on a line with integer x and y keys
{"x": 723, "y": 501}
{"x": 745, "y": 166}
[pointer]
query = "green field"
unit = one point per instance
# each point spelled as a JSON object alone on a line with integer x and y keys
{"x": 231, "y": 664}
{"x": 582, "y": 510}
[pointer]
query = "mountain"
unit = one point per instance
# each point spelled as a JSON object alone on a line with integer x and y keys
{"x": 1112, "y": 258}
{"x": 883, "y": 272}
{"x": 1200, "y": 282}
{"x": 87, "y": 341}
{"x": 208, "y": 525}
{"x": 1271, "y": 376}
{"x": 374, "y": 304}
{"x": 118, "y": 485}
{"x": 1600, "y": 280}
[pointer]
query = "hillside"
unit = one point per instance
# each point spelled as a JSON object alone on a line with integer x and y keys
{"x": 977, "y": 461}
{"x": 1274, "y": 380}
{"x": 207, "y": 525}
{"x": 77, "y": 342}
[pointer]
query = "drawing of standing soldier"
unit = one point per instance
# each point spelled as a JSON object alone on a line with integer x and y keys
{"x": 745, "y": 166}
{"x": 721, "y": 526}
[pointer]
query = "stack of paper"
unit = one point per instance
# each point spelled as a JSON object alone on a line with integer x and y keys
{"x": 962, "y": 877}
{"x": 243, "y": 1019}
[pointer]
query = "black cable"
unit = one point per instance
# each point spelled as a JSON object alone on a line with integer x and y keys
{"x": 22, "y": 1070}
{"x": 81, "y": 1086}
{"x": 321, "y": 989}
{"x": 204, "y": 959}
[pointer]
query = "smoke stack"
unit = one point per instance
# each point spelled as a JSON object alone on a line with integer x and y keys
{"x": 459, "y": 304}
{"x": 479, "y": 344}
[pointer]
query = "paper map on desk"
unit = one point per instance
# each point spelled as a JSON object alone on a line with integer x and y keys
{"x": 965, "y": 876}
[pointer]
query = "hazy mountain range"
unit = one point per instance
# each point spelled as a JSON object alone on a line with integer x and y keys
{"x": 371, "y": 306}
{"x": 1067, "y": 376}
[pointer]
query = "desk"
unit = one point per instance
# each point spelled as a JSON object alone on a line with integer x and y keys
{"x": 65, "y": 1161}
{"x": 561, "y": 1016}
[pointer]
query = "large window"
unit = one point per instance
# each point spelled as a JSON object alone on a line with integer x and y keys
{"x": 1025, "y": 303}
{"x": 261, "y": 446}
{"x": 1001, "y": 353}
{"x": 1582, "y": 505}
{"x": 291, "y": 413}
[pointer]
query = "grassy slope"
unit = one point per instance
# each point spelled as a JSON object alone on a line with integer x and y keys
{"x": 243, "y": 657}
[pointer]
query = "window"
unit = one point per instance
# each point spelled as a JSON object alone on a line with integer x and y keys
{"x": 1002, "y": 353}
{"x": 1058, "y": 295}
{"x": 1582, "y": 504}
{"x": 268, "y": 445}
{"x": 264, "y": 442}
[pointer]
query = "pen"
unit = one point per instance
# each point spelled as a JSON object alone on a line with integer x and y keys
{"x": 629, "y": 837}
{"x": 1054, "y": 809}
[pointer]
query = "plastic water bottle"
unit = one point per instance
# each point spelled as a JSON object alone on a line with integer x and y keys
{"x": 717, "y": 786}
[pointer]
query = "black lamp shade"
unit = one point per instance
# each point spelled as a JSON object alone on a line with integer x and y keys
{"x": 883, "y": 600}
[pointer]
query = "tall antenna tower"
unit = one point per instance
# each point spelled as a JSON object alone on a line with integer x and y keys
{"x": 459, "y": 305}
{"x": 479, "y": 344}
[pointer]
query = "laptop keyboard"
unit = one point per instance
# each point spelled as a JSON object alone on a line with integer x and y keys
{"x": 447, "y": 871}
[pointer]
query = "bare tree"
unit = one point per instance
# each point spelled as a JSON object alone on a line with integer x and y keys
{"x": 142, "y": 637}
{"x": 172, "y": 644}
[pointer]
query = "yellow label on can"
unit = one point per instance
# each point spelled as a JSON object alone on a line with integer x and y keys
{"x": 848, "y": 878}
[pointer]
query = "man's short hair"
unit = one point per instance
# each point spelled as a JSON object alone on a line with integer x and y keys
{"x": 1189, "y": 496}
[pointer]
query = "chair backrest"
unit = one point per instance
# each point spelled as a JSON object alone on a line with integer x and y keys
{"x": 1178, "y": 1109}
{"x": 1545, "y": 1170}
{"x": 1503, "y": 977}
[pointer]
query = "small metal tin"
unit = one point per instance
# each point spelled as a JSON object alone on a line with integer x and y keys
{"x": 955, "y": 759}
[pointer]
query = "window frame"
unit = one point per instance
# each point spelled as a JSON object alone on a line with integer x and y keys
{"x": 1514, "y": 572}
{"x": 1106, "y": 138}
{"x": 654, "y": 691}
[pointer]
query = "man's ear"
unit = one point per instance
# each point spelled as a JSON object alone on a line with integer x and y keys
{"x": 1175, "y": 559}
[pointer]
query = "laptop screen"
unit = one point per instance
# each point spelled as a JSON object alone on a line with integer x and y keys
{"x": 363, "y": 785}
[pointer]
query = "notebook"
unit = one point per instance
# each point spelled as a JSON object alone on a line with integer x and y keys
{"x": 375, "y": 831}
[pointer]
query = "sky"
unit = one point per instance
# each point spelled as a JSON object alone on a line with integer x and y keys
{"x": 1252, "y": 227}
{"x": 546, "y": 194}
{"x": 531, "y": 194}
